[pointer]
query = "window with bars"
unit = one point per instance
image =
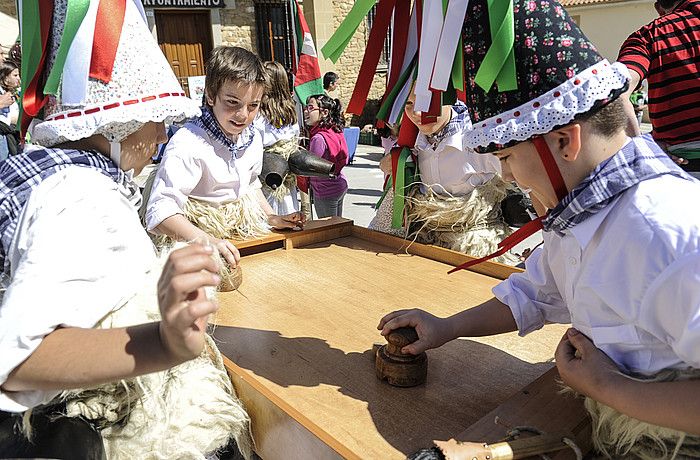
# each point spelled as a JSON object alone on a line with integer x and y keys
{"x": 273, "y": 20}
{"x": 386, "y": 52}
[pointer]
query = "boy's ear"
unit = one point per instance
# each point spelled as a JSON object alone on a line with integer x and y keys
{"x": 567, "y": 141}
{"x": 209, "y": 100}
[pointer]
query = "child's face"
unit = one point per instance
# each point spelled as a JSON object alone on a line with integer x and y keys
{"x": 313, "y": 114}
{"x": 427, "y": 128}
{"x": 236, "y": 105}
{"x": 12, "y": 80}
{"x": 522, "y": 164}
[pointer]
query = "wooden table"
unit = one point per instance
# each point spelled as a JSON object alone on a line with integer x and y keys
{"x": 297, "y": 339}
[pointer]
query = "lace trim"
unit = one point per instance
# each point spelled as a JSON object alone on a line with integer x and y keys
{"x": 555, "y": 108}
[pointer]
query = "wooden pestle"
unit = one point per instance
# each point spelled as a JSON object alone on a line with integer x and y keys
{"x": 397, "y": 368}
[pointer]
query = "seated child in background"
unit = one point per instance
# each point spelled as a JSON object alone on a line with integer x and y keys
{"x": 207, "y": 184}
{"x": 277, "y": 123}
{"x": 457, "y": 205}
{"x": 324, "y": 118}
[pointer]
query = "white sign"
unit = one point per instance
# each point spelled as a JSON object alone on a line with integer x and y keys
{"x": 196, "y": 85}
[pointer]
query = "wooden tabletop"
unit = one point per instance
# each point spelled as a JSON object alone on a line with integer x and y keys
{"x": 298, "y": 337}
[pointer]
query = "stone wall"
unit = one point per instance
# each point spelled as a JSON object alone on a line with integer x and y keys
{"x": 238, "y": 25}
{"x": 8, "y": 7}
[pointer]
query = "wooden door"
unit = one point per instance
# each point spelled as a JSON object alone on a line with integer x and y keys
{"x": 185, "y": 39}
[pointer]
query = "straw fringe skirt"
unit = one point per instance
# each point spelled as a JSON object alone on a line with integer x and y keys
{"x": 470, "y": 224}
{"x": 616, "y": 435}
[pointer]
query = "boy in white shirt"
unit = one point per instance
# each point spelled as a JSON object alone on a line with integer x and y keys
{"x": 209, "y": 172}
{"x": 621, "y": 259}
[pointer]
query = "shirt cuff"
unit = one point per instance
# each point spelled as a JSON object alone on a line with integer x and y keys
{"x": 527, "y": 317}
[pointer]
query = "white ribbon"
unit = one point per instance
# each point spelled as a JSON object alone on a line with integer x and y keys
{"x": 432, "y": 21}
{"x": 447, "y": 48}
{"x": 77, "y": 67}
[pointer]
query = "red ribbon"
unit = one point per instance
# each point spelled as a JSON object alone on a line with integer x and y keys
{"x": 526, "y": 230}
{"x": 108, "y": 29}
{"x": 33, "y": 99}
{"x": 375, "y": 44}
{"x": 550, "y": 166}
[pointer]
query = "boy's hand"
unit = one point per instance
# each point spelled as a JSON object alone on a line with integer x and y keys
{"x": 432, "y": 331}
{"x": 184, "y": 306}
{"x": 293, "y": 220}
{"x": 583, "y": 366}
{"x": 227, "y": 250}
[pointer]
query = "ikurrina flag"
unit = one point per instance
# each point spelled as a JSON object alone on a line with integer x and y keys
{"x": 307, "y": 75}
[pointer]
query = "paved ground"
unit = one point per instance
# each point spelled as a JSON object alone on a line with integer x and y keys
{"x": 365, "y": 182}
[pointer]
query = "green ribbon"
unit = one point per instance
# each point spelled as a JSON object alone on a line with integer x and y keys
{"x": 335, "y": 45}
{"x": 385, "y": 109}
{"x": 499, "y": 63}
{"x": 31, "y": 43}
{"x": 75, "y": 13}
{"x": 404, "y": 178}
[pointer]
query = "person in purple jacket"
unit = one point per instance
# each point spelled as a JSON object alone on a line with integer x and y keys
{"x": 323, "y": 115}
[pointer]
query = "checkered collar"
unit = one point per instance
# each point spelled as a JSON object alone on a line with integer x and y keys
{"x": 208, "y": 122}
{"x": 459, "y": 121}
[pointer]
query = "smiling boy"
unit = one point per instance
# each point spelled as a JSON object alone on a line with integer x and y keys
{"x": 210, "y": 167}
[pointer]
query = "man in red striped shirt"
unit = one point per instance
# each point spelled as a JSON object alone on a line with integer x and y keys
{"x": 667, "y": 53}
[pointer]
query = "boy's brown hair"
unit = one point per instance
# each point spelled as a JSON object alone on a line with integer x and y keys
{"x": 608, "y": 120}
{"x": 235, "y": 64}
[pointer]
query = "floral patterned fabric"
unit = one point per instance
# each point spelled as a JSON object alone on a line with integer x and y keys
{"x": 549, "y": 49}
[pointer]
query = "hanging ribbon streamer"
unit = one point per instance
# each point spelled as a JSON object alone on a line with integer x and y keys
{"x": 77, "y": 69}
{"x": 431, "y": 21}
{"x": 108, "y": 28}
{"x": 36, "y": 25}
{"x": 335, "y": 45}
{"x": 375, "y": 45}
{"x": 392, "y": 98}
{"x": 499, "y": 63}
{"x": 75, "y": 13}
{"x": 403, "y": 179}
{"x": 448, "y": 50}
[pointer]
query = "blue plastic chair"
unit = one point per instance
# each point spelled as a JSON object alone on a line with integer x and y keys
{"x": 352, "y": 137}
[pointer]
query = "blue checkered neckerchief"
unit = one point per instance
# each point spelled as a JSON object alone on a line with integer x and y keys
{"x": 459, "y": 122}
{"x": 207, "y": 121}
{"x": 640, "y": 159}
{"x": 21, "y": 174}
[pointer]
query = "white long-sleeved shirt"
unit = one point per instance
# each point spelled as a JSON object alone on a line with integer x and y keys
{"x": 451, "y": 166}
{"x": 271, "y": 134}
{"x": 78, "y": 253}
{"x": 628, "y": 277}
{"x": 195, "y": 165}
